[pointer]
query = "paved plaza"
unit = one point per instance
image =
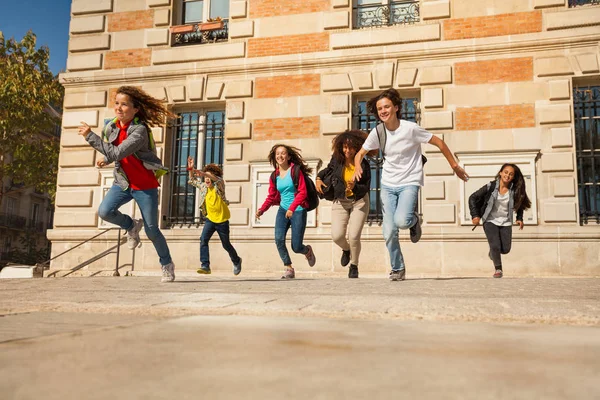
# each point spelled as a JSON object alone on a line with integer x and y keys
{"x": 257, "y": 337}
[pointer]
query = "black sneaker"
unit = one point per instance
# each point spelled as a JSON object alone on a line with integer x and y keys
{"x": 415, "y": 230}
{"x": 237, "y": 268}
{"x": 345, "y": 257}
{"x": 397, "y": 275}
{"x": 353, "y": 271}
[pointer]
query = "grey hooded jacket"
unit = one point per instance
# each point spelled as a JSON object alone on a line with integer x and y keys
{"x": 139, "y": 143}
{"x": 482, "y": 201}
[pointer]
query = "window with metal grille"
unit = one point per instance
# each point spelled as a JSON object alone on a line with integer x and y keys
{"x": 201, "y": 21}
{"x": 201, "y": 136}
{"x": 586, "y": 104}
{"x": 371, "y": 13}
{"x": 578, "y": 3}
{"x": 361, "y": 119}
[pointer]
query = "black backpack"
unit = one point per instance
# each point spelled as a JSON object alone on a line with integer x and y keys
{"x": 382, "y": 136}
{"x": 311, "y": 190}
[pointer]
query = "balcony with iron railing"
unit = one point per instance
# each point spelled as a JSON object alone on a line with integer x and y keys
{"x": 37, "y": 226}
{"x": 579, "y": 3}
{"x": 200, "y": 33}
{"x": 12, "y": 221}
{"x": 392, "y": 12}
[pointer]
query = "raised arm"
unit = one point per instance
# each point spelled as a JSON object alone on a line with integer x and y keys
{"x": 440, "y": 144}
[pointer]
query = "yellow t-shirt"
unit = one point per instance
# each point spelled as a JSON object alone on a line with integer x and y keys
{"x": 348, "y": 174}
{"x": 216, "y": 209}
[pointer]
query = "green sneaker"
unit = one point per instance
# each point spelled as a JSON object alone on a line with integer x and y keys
{"x": 204, "y": 271}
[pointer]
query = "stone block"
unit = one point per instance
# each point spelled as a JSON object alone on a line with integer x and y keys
{"x": 214, "y": 90}
{"x": 553, "y": 66}
{"x": 439, "y": 213}
{"x": 74, "y": 198}
{"x": 162, "y": 17}
{"x": 128, "y": 40}
{"x": 384, "y": 75}
{"x": 433, "y": 98}
{"x": 241, "y": 29}
{"x": 72, "y": 119}
{"x": 239, "y": 216}
{"x": 333, "y": 125}
{"x": 81, "y": 177}
{"x": 561, "y": 137}
{"x": 92, "y": 24}
{"x": 238, "y": 89}
{"x": 362, "y": 80}
{"x": 158, "y": 3}
{"x": 572, "y": 18}
{"x": 63, "y": 219}
{"x": 438, "y": 120}
{"x": 588, "y": 63}
{"x": 79, "y": 7}
{"x": 560, "y": 212}
{"x": 84, "y": 62}
{"x": 336, "y": 20}
{"x": 335, "y": 82}
{"x": 374, "y": 37}
{"x": 553, "y": 114}
{"x": 72, "y": 139}
{"x": 157, "y": 37}
{"x": 237, "y": 9}
{"x": 177, "y": 93}
{"x": 233, "y": 152}
{"x": 435, "y": 9}
{"x": 234, "y": 110}
{"x": 437, "y": 166}
{"x": 213, "y": 51}
{"x": 158, "y": 133}
{"x": 128, "y": 5}
{"x": 548, "y": 3}
{"x": 339, "y": 104}
{"x": 20, "y": 272}
{"x": 557, "y": 162}
{"x": 406, "y": 77}
{"x": 324, "y": 214}
{"x": 560, "y": 90}
{"x": 234, "y": 194}
{"x": 564, "y": 186}
{"x": 237, "y": 173}
{"x": 435, "y": 190}
{"x": 158, "y": 92}
{"x": 238, "y": 131}
{"x": 340, "y": 3}
{"x": 196, "y": 89}
{"x": 76, "y": 158}
{"x": 87, "y": 99}
{"x": 436, "y": 75}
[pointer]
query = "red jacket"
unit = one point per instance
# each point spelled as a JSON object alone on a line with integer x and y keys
{"x": 274, "y": 197}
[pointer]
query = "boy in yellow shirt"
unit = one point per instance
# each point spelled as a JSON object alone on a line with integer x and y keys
{"x": 214, "y": 207}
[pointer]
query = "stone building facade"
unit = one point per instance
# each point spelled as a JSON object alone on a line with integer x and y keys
{"x": 498, "y": 80}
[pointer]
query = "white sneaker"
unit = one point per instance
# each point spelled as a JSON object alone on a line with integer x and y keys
{"x": 133, "y": 235}
{"x": 168, "y": 273}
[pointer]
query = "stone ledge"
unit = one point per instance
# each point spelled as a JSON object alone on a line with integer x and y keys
{"x": 385, "y": 36}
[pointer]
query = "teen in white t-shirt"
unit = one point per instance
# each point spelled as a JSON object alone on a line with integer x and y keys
{"x": 402, "y": 173}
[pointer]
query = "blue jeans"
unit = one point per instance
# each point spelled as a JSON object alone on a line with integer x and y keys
{"x": 147, "y": 201}
{"x": 282, "y": 225}
{"x": 223, "y": 230}
{"x": 399, "y": 205}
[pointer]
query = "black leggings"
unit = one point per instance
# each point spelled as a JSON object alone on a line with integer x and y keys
{"x": 500, "y": 240}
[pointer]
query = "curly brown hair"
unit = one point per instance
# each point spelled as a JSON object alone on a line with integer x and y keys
{"x": 151, "y": 111}
{"x": 522, "y": 201}
{"x": 294, "y": 154}
{"x": 353, "y": 138}
{"x": 390, "y": 94}
{"x": 213, "y": 169}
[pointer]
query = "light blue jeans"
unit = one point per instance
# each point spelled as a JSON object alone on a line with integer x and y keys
{"x": 399, "y": 205}
{"x": 147, "y": 201}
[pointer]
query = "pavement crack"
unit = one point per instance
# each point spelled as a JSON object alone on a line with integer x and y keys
{"x": 270, "y": 301}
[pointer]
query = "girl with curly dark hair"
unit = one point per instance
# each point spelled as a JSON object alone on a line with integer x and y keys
{"x": 128, "y": 143}
{"x": 350, "y": 197}
{"x": 292, "y": 200}
{"x": 493, "y": 205}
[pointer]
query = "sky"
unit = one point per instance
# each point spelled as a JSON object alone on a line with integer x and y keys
{"x": 48, "y": 19}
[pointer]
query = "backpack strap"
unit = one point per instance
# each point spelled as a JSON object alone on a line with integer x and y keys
{"x": 382, "y": 136}
{"x": 296, "y": 175}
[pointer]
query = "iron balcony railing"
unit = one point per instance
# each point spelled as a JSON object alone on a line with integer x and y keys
{"x": 393, "y": 12}
{"x": 579, "y": 3}
{"x": 198, "y": 35}
{"x": 13, "y": 221}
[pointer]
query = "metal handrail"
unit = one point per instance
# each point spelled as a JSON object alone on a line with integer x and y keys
{"x": 42, "y": 266}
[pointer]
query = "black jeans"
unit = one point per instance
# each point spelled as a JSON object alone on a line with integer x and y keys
{"x": 500, "y": 240}
{"x": 223, "y": 230}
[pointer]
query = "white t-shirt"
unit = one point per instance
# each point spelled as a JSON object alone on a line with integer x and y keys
{"x": 499, "y": 213}
{"x": 402, "y": 165}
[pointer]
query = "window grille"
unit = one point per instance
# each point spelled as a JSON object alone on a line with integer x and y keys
{"x": 372, "y": 13}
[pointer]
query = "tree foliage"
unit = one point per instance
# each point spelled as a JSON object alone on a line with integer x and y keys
{"x": 28, "y": 92}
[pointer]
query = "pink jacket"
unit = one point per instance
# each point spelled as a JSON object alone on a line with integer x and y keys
{"x": 274, "y": 197}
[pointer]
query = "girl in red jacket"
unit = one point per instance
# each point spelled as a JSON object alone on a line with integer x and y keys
{"x": 287, "y": 189}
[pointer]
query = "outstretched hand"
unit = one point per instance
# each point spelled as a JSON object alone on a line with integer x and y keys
{"x": 358, "y": 171}
{"x": 320, "y": 185}
{"x": 520, "y": 223}
{"x": 190, "y": 162}
{"x": 84, "y": 129}
{"x": 461, "y": 173}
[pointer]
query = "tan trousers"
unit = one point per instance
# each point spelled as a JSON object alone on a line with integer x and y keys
{"x": 350, "y": 216}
